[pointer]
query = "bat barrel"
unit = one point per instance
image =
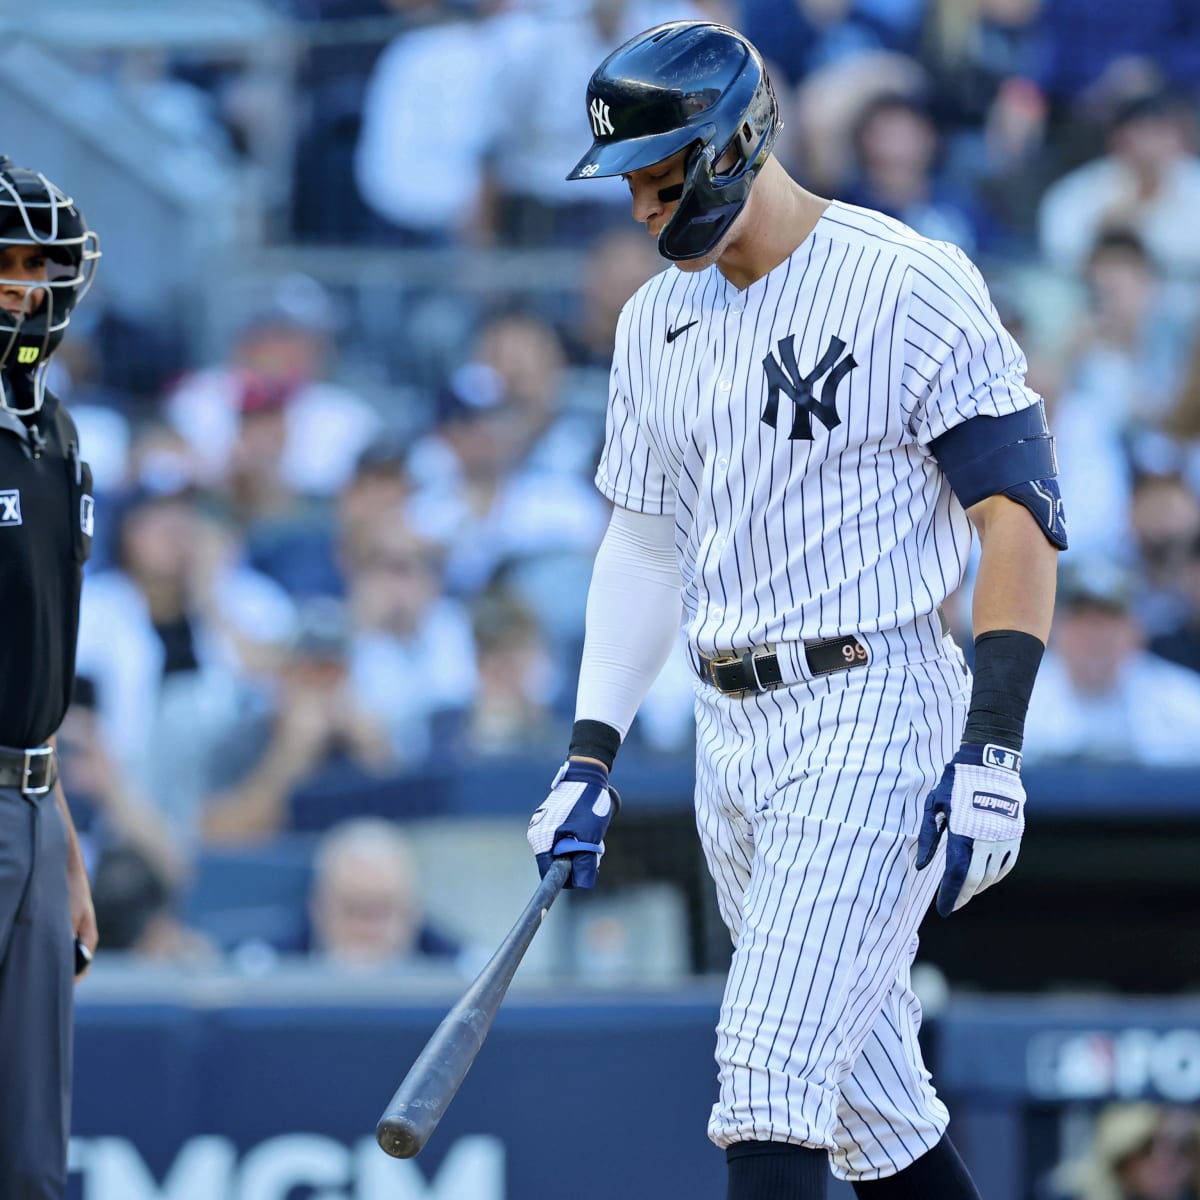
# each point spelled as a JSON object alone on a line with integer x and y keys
{"x": 430, "y": 1085}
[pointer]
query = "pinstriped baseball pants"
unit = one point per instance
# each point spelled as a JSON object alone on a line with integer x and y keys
{"x": 809, "y": 800}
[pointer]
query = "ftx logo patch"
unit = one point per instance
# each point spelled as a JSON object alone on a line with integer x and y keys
{"x": 10, "y": 507}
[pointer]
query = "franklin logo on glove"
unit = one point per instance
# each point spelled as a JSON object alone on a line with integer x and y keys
{"x": 1000, "y": 804}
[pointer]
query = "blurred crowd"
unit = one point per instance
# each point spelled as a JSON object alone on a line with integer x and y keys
{"x": 1136, "y": 1150}
{"x": 301, "y": 589}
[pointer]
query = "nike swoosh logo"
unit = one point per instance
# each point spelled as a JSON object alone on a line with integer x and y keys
{"x": 672, "y": 334}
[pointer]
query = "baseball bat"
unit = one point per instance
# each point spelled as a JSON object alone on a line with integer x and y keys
{"x": 421, "y": 1100}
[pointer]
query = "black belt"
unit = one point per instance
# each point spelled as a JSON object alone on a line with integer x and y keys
{"x": 32, "y": 772}
{"x": 759, "y": 671}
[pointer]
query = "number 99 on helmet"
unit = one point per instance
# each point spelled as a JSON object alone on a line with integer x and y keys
{"x": 684, "y": 85}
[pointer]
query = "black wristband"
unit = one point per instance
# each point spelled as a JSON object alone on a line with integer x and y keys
{"x": 594, "y": 739}
{"x": 1006, "y": 664}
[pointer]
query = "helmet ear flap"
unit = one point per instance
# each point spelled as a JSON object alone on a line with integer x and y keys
{"x": 708, "y": 206}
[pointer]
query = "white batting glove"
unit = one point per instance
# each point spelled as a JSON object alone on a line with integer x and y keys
{"x": 981, "y": 799}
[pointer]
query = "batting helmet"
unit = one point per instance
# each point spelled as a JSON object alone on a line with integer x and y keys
{"x": 684, "y": 84}
{"x": 35, "y": 212}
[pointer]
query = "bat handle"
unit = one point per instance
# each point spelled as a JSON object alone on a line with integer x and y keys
{"x": 553, "y": 882}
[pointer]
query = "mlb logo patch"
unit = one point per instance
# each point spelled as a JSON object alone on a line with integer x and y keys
{"x": 10, "y": 507}
{"x": 1001, "y": 756}
{"x": 87, "y": 514}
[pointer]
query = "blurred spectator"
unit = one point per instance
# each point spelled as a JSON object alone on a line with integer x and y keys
{"x": 176, "y": 108}
{"x": 176, "y": 603}
{"x": 1182, "y": 420}
{"x": 288, "y": 535}
{"x": 512, "y": 710}
{"x": 254, "y": 484}
{"x": 424, "y": 177}
{"x": 411, "y": 658}
{"x": 1100, "y": 694}
{"x": 617, "y": 264}
{"x": 106, "y": 808}
{"x": 285, "y": 350}
{"x": 471, "y": 498}
{"x": 480, "y": 431}
{"x": 319, "y": 721}
{"x": 1164, "y": 519}
{"x": 1180, "y": 642}
{"x": 982, "y": 56}
{"x": 1124, "y": 362}
{"x": 816, "y": 140}
{"x": 381, "y": 485}
{"x": 896, "y": 151}
{"x": 1097, "y": 48}
{"x": 1148, "y": 181}
{"x": 365, "y": 907}
{"x": 1132, "y": 338}
{"x": 801, "y": 37}
{"x": 1139, "y": 1151}
{"x": 537, "y": 100}
{"x": 137, "y": 911}
{"x": 331, "y": 83}
{"x": 120, "y": 361}
{"x": 528, "y": 355}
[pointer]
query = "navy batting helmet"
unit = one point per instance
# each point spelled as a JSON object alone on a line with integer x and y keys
{"x": 35, "y": 212}
{"x": 684, "y": 84}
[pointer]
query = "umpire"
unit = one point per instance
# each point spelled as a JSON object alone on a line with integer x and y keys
{"x": 47, "y": 925}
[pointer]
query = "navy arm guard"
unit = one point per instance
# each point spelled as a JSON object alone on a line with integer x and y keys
{"x": 1009, "y": 456}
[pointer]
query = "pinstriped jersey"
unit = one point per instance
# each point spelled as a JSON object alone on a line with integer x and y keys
{"x": 787, "y": 428}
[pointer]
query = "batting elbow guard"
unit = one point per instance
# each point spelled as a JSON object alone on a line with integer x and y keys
{"x": 1009, "y": 456}
{"x": 1042, "y": 499}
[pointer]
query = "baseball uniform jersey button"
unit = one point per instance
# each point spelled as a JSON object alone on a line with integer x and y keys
{"x": 725, "y": 384}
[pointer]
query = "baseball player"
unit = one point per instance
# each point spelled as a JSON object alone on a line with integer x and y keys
{"x": 807, "y": 416}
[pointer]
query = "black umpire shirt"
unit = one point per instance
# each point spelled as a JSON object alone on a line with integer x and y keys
{"x": 45, "y": 538}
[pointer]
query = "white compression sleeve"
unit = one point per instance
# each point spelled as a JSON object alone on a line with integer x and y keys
{"x": 634, "y": 608}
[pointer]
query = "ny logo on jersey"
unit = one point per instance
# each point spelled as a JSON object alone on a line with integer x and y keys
{"x": 783, "y": 375}
{"x": 601, "y": 119}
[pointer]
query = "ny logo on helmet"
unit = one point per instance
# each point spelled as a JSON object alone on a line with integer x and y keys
{"x": 784, "y": 375}
{"x": 601, "y": 121}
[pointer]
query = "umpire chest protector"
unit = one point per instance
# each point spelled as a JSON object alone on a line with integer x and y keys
{"x": 46, "y": 521}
